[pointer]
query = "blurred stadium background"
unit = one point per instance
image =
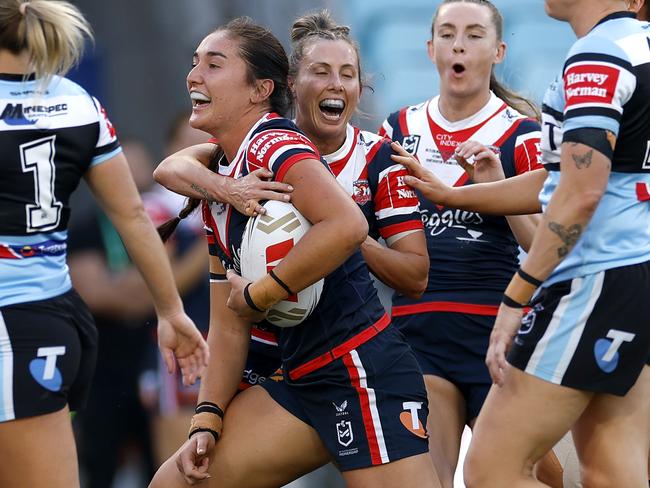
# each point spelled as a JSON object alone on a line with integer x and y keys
{"x": 143, "y": 50}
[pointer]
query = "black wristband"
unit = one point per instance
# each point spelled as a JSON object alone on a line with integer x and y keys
{"x": 214, "y": 433}
{"x": 281, "y": 283}
{"x": 506, "y": 300}
{"x": 249, "y": 300}
{"x": 210, "y": 408}
{"x": 529, "y": 279}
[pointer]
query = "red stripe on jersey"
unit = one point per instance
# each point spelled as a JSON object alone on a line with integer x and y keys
{"x": 643, "y": 191}
{"x": 469, "y": 308}
{"x": 370, "y": 155}
{"x": 366, "y": 414}
{"x": 589, "y": 84}
{"x": 213, "y": 140}
{"x": 403, "y": 126}
{"x": 209, "y": 221}
{"x": 210, "y": 238}
{"x": 382, "y": 132}
{"x": 8, "y": 253}
{"x": 392, "y": 230}
{"x": 340, "y": 350}
{"x": 264, "y": 335}
{"x": 337, "y": 166}
{"x": 289, "y": 162}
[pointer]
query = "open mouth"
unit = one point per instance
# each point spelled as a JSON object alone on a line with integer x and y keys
{"x": 199, "y": 99}
{"x": 332, "y": 108}
{"x": 458, "y": 68}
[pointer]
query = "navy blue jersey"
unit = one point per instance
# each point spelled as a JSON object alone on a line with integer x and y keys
{"x": 49, "y": 137}
{"x": 363, "y": 167}
{"x": 348, "y": 305}
{"x": 473, "y": 256}
{"x": 605, "y": 84}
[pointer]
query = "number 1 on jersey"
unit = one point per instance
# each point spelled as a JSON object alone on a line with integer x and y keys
{"x": 38, "y": 157}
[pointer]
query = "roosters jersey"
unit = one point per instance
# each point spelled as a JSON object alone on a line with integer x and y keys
{"x": 473, "y": 256}
{"x": 348, "y": 305}
{"x": 605, "y": 84}
{"x": 363, "y": 167}
{"x": 49, "y": 137}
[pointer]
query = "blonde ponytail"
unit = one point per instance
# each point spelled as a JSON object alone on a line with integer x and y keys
{"x": 52, "y": 32}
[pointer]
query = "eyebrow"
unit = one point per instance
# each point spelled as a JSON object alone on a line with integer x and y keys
{"x": 471, "y": 26}
{"x": 323, "y": 63}
{"x": 210, "y": 54}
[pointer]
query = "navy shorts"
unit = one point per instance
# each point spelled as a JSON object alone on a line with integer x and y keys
{"x": 48, "y": 351}
{"x": 590, "y": 333}
{"x": 263, "y": 358}
{"x": 369, "y": 406}
{"x": 452, "y": 346}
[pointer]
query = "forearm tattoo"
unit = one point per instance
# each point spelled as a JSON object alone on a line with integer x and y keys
{"x": 204, "y": 193}
{"x": 569, "y": 236}
{"x": 583, "y": 161}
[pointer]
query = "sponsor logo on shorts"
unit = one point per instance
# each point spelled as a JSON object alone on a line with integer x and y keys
{"x": 253, "y": 378}
{"x": 606, "y": 350}
{"x": 410, "y": 419}
{"x": 341, "y": 410}
{"x": 344, "y": 433}
{"x": 44, "y": 369}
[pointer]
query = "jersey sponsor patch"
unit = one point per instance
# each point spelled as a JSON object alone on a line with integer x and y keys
{"x": 590, "y": 83}
{"x": 268, "y": 147}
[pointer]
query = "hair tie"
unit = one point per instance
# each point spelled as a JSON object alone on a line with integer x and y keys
{"x": 23, "y": 7}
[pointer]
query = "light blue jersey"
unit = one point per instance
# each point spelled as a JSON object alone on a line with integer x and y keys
{"x": 605, "y": 84}
{"x": 49, "y": 137}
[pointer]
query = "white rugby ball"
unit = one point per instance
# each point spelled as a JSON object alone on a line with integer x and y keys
{"x": 267, "y": 240}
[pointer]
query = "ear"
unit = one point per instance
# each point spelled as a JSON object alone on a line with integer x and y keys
{"x": 262, "y": 91}
{"x": 431, "y": 51}
{"x": 500, "y": 53}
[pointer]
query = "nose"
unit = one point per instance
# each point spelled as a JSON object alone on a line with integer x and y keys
{"x": 193, "y": 77}
{"x": 459, "y": 45}
{"x": 335, "y": 82}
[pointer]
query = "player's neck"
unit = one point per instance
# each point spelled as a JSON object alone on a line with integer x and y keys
{"x": 586, "y": 19}
{"x": 231, "y": 138}
{"x": 15, "y": 64}
{"x": 455, "y": 108}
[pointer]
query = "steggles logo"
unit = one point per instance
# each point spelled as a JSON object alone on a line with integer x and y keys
{"x": 288, "y": 222}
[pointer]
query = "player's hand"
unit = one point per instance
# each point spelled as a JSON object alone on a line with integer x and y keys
{"x": 246, "y": 193}
{"x": 505, "y": 328}
{"x": 178, "y": 337}
{"x": 236, "y": 301}
{"x": 486, "y": 165}
{"x": 420, "y": 178}
{"x": 193, "y": 458}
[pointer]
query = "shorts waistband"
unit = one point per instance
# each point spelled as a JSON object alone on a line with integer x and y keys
{"x": 457, "y": 307}
{"x": 340, "y": 350}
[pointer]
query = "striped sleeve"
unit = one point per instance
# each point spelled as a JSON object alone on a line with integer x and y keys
{"x": 107, "y": 142}
{"x": 527, "y": 149}
{"x": 278, "y": 150}
{"x": 598, "y": 82}
{"x": 396, "y": 205}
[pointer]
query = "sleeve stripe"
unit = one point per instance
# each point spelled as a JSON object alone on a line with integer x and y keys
{"x": 594, "y": 111}
{"x": 592, "y": 58}
{"x": 107, "y": 148}
{"x": 556, "y": 114}
{"x": 290, "y": 161}
{"x": 218, "y": 278}
{"x": 394, "y": 229}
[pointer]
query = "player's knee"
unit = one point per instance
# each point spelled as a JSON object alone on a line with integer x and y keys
{"x": 476, "y": 471}
{"x": 601, "y": 476}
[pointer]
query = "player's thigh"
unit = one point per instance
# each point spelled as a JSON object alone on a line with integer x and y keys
{"x": 518, "y": 424}
{"x": 262, "y": 446}
{"x": 411, "y": 472}
{"x": 613, "y": 437}
{"x": 445, "y": 425}
{"x": 38, "y": 452}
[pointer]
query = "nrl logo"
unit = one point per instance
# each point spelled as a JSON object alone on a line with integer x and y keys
{"x": 344, "y": 433}
{"x": 411, "y": 143}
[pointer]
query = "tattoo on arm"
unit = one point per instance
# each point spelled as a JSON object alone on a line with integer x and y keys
{"x": 204, "y": 193}
{"x": 583, "y": 161}
{"x": 569, "y": 236}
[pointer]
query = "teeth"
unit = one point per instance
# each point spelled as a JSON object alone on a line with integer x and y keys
{"x": 199, "y": 97}
{"x": 332, "y": 103}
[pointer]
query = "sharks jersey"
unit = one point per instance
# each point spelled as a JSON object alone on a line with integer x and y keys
{"x": 473, "y": 256}
{"x": 605, "y": 84}
{"x": 348, "y": 307}
{"x": 363, "y": 167}
{"x": 49, "y": 137}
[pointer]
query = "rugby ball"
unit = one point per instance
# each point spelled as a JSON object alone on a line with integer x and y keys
{"x": 267, "y": 240}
